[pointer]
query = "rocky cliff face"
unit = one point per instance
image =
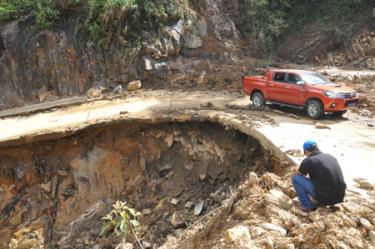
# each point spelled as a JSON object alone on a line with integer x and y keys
{"x": 38, "y": 65}
{"x": 34, "y": 62}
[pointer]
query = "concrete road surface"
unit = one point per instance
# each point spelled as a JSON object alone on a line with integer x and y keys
{"x": 352, "y": 143}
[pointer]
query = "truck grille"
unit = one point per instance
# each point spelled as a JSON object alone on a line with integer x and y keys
{"x": 351, "y": 103}
{"x": 350, "y": 95}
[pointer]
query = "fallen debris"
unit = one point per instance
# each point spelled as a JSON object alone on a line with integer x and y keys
{"x": 176, "y": 220}
{"x": 239, "y": 236}
{"x": 207, "y": 105}
{"x": 198, "y": 208}
{"x": 278, "y": 112}
{"x": 364, "y": 184}
{"x": 294, "y": 116}
{"x": 296, "y": 153}
{"x": 322, "y": 126}
{"x": 94, "y": 93}
{"x": 117, "y": 89}
{"x": 134, "y": 85}
{"x": 266, "y": 219}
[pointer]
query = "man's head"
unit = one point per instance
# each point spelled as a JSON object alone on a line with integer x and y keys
{"x": 309, "y": 146}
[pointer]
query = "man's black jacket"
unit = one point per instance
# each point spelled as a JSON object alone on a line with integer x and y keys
{"x": 326, "y": 176}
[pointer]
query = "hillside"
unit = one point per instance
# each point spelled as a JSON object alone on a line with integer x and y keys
{"x": 53, "y": 49}
{"x": 110, "y": 105}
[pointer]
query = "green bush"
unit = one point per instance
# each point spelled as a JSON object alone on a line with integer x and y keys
{"x": 122, "y": 22}
{"x": 10, "y": 10}
{"x": 263, "y": 22}
{"x": 123, "y": 221}
{"x": 118, "y": 22}
{"x": 321, "y": 11}
{"x": 113, "y": 21}
{"x": 46, "y": 12}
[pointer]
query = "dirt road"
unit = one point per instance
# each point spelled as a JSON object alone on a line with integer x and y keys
{"x": 351, "y": 142}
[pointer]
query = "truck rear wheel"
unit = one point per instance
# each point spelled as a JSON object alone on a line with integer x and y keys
{"x": 258, "y": 100}
{"x": 314, "y": 109}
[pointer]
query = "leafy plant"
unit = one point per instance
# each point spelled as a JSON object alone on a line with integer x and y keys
{"x": 46, "y": 12}
{"x": 263, "y": 21}
{"x": 123, "y": 220}
{"x": 106, "y": 22}
{"x": 122, "y": 22}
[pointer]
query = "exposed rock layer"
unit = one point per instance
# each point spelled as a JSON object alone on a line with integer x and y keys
{"x": 54, "y": 192}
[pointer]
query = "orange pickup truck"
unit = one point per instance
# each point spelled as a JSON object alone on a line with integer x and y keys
{"x": 301, "y": 89}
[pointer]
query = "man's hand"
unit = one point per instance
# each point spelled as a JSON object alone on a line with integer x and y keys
{"x": 298, "y": 174}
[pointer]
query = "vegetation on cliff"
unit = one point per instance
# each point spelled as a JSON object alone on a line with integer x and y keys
{"x": 105, "y": 21}
{"x": 122, "y": 22}
{"x": 263, "y": 21}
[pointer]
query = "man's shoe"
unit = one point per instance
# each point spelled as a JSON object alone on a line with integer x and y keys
{"x": 306, "y": 210}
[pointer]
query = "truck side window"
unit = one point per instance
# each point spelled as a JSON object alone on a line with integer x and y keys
{"x": 279, "y": 76}
{"x": 293, "y": 78}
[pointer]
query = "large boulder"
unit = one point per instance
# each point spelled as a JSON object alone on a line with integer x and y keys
{"x": 239, "y": 236}
{"x": 134, "y": 85}
{"x": 192, "y": 41}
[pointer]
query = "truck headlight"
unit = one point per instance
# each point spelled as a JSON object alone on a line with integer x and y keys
{"x": 334, "y": 95}
{"x": 330, "y": 94}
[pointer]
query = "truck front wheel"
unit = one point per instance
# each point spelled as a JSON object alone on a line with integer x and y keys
{"x": 258, "y": 100}
{"x": 314, "y": 109}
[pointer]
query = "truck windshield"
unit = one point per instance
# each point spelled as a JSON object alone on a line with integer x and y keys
{"x": 315, "y": 79}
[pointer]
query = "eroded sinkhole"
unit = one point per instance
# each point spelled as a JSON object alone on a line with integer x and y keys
{"x": 53, "y": 193}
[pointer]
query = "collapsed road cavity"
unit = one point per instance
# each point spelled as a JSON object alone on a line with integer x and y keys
{"x": 54, "y": 192}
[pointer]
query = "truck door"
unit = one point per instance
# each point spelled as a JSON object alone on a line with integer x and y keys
{"x": 294, "y": 92}
{"x": 284, "y": 89}
{"x": 275, "y": 86}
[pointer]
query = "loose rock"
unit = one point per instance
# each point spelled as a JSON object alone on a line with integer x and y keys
{"x": 46, "y": 186}
{"x": 94, "y": 93}
{"x": 322, "y": 126}
{"x": 366, "y": 224}
{"x": 240, "y": 236}
{"x": 192, "y": 41}
{"x": 146, "y": 244}
{"x": 364, "y": 184}
{"x": 134, "y": 85}
{"x": 118, "y": 89}
{"x": 198, "y": 208}
{"x": 253, "y": 179}
{"x": 189, "y": 205}
{"x": 175, "y": 201}
{"x": 176, "y": 220}
{"x": 278, "y": 198}
{"x": 371, "y": 236}
{"x": 272, "y": 227}
{"x": 42, "y": 94}
{"x": 19, "y": 172}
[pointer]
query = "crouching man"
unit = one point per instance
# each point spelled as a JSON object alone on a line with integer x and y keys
{"x": 325, "y": 183}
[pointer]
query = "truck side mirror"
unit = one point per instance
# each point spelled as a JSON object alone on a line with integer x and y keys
{"x": 300, "y": 83}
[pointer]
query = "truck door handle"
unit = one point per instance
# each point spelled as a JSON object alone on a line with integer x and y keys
{"x": 271, "y": 84}
{"x": 287, "y": 87}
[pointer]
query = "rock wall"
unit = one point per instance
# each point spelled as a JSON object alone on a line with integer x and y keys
{"x": 39, "y": 65}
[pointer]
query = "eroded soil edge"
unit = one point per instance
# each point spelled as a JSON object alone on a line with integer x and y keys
{"x": 54, "y": 192}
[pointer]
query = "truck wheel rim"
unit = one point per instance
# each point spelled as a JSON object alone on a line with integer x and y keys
{"x": 313, "y": 110}
{"x": 257, "y": 101}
